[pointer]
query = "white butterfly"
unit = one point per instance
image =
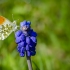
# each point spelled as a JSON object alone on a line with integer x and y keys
{"x": 6, "y": 27}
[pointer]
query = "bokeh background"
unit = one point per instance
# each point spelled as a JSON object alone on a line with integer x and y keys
{"x": 51, "y": 20}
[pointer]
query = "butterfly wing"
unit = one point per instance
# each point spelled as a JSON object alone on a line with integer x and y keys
{"x": 6, "y": 28}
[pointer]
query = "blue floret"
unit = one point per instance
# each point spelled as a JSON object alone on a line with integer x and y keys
{"x": 33, "y": 39}
{"x": 18, "y": 33}
{"x": 28, "y": 40}
{"x": 22, "y": 54}
{"x": 33, "y": 53}
{"x": 32, "y": 33}
{"x": 17, "y": 40}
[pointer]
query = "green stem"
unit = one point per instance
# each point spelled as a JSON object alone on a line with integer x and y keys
{"x": 29, "y": 63}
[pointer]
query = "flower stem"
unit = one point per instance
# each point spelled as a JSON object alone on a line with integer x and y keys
{"x": 29, "y": 63}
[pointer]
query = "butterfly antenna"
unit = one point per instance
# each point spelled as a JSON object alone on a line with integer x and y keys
{"x": 12, "y": 17}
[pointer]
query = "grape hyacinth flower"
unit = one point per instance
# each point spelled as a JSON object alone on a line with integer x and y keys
{"x": 26, "y": 41}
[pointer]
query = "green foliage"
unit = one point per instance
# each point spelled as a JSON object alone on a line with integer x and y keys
{"x": 51, "y": 20}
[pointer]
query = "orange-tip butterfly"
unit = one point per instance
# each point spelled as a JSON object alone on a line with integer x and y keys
{"x": 6, "y": 27}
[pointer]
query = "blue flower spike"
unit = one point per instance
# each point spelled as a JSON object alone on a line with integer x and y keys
{"x": 26, "y": 38}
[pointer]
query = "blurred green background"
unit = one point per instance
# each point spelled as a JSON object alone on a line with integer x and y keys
{"x": 51, "y": 20}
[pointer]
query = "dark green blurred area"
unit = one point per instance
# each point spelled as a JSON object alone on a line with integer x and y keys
{"x": 51, "y": 20}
